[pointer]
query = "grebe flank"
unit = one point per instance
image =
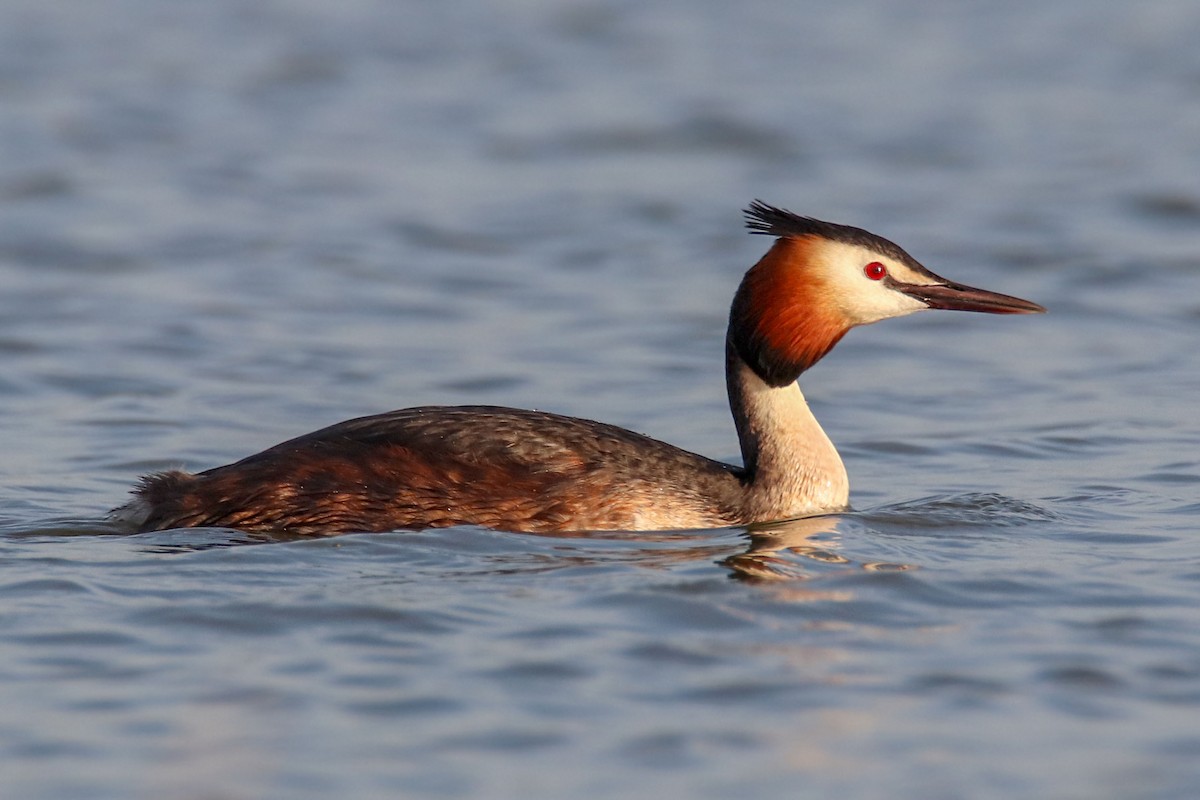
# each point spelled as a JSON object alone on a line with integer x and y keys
{"x": 519, "y": 470}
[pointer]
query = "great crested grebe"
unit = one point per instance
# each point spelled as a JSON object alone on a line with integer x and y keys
{"x": 519, "y": 470}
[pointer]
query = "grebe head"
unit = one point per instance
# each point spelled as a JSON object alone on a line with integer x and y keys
{"x": 820, "y": 279}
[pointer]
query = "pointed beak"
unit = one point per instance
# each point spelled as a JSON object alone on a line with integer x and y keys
{"x": 956, "y": 297}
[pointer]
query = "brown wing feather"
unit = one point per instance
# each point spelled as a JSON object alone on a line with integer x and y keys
{"x": 439, "y": 466}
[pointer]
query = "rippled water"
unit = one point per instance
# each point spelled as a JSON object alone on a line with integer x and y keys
{"x": 226, "y": 224}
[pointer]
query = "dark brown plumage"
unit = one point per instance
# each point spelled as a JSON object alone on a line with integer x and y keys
{"x": 433, "y": 467}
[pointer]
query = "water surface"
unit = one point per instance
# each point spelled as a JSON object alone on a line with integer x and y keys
{"x": 225, "y": 224}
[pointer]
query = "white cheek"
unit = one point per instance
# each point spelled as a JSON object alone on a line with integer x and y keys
{"x": 887, "y": 303}
{"x": 863, "y": 301}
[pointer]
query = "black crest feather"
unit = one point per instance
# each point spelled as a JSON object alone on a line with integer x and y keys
{"x": 772, "y": 221}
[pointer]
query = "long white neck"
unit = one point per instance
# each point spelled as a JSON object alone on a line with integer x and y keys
{"x": 793, "y": 469}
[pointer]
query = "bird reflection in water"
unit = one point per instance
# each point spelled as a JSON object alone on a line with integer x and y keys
{"x": 790, "y": 552}
{"x": 798, "y": 550}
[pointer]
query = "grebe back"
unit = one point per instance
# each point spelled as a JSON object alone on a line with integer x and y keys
{"x": 512, "y": 469}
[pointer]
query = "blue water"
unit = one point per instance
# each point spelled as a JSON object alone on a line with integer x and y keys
{"x": 224, "y": 224}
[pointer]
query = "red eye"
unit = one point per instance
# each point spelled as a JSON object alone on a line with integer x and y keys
{"x": 875, "y": 271}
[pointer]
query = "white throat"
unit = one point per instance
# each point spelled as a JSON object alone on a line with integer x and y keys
{"x": 794, "y": 468}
